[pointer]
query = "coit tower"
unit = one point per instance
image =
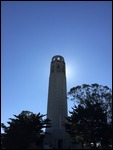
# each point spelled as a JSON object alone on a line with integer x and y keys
{"x": 57, "y": 104}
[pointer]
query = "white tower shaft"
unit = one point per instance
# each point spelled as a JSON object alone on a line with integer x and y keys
{"x": 57, "y": 103}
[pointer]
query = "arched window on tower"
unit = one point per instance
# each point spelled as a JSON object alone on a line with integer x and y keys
{"x": 58, "y": 68}
{"x": 63, "y": 69}
{"x": 58, "y": 59}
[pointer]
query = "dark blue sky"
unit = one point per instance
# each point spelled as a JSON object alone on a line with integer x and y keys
{"x": 33, "y": 32}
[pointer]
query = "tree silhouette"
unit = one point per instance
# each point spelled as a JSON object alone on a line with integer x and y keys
{"x": 91, "y": 118}
{"x": 26, "y": 129}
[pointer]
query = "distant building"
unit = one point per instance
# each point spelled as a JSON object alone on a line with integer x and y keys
{"x": 57, "y": 106}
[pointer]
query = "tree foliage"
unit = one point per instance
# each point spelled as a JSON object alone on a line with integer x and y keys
{"x": 91, "y": 117}
{"x": 25, "y": 129}
{"x": 93, "y": 93}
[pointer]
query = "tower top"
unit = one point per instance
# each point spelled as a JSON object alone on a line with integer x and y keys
{"x": 57, "y": 58}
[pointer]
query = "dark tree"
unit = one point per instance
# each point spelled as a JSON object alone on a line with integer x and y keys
{"x": 25, "y": 129}
{"x": 91, "y": 118}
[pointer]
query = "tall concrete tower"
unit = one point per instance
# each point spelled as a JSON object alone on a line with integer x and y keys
{"x": 57, "y": 104}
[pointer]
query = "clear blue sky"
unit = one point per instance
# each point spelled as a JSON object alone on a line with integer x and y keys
{"x": 33, "y": 32}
